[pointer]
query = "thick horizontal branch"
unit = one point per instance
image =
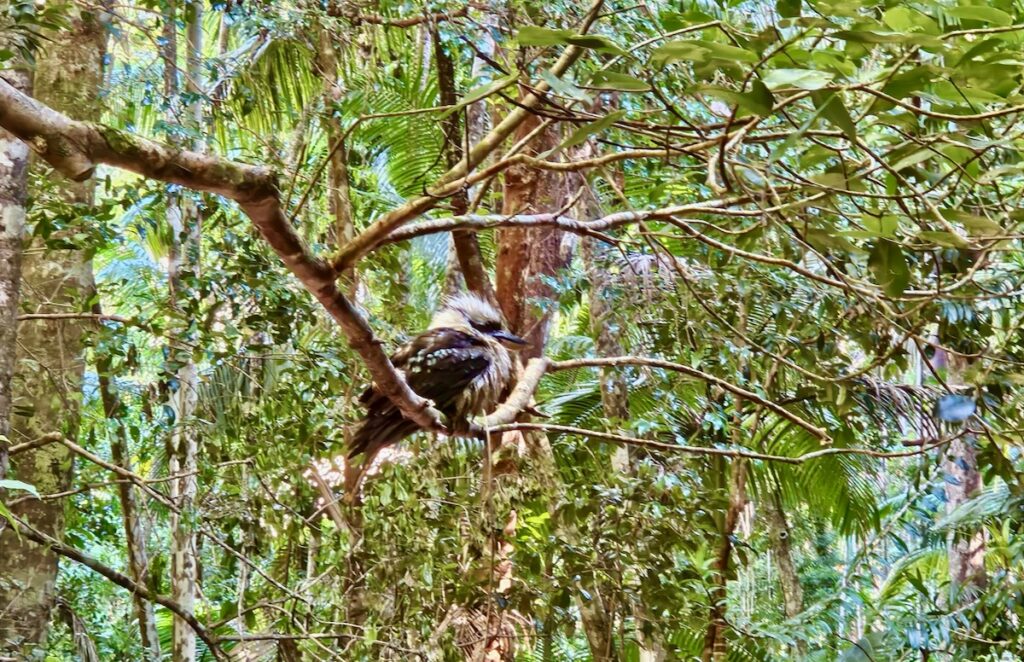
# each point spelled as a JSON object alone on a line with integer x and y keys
{"x": 723, "y": 452}
{"x": 74, "y": 148}
{"x": 59, "y": 548}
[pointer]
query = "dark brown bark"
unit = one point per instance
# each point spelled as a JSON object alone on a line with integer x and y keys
{"x": 47, "y": 384}
{"x": 467, "y": 247}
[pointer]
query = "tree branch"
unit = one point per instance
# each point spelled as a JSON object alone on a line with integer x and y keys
{"x": 724, "y": 452}
{"x": 121, "y": 580}
{"x": 74, "y": 148}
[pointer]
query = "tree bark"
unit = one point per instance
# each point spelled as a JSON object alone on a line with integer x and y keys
{"x": 527, "y": 255}
{"x": 782, "y": 553}
{"x": 183, "y": 263}
{"x": 966, "y": 554}
{"x": 338, "y": 192}
{"x": 134, "y": 531}
{"x": 47, "y": 383}
{"x": 13, "y": 191}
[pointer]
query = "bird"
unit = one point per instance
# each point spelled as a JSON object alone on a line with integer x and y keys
{"x": 461, "y": 363}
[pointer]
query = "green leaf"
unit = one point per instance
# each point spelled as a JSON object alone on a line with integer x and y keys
{"x": 976, "y": 225}
{"x": 581, "y": 134}
{"x": 788, "y": 8}
{"x": 758, "y": 100}
{"x": 913, "y": 158}
{"x": 943, "y": 238}
{"x": 564, "y": 87}
{"x": 905, "y": 19}
{"x": 881, "y": 226}
{"x": 889, "y": 267}
{"x": 696, "y": 50}
{"x": 478, "y": 93}
{"x": 613, "y": 80}
{"x": 804, "y": 79}
{"x": 10, "y": 484}
{"x": 595, "y": 42}
{"x": 981, "y": 13}
{"x": 531, "y": 35}
{"x": 834, "y": 111}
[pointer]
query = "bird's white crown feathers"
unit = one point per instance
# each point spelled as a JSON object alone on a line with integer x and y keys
{"x": 463, "y": 310}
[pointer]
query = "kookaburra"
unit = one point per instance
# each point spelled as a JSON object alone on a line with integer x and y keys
{"x": 461, "y": 363}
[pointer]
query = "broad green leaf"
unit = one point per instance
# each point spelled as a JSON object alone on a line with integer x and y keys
{"x": 10, "y": 484}
{"x": 581, "y": 134}
{"x": 478, "y": 93}
{"x": 613, "y": 80}
{"x": 758, "y": 100}
{"x": 595, "y": 42}
{"x": 788, "y": 8}
{"x": 943, "y": 238}
{"x": 834, "y": 111}
{"x": 889, "y": 267}
{"x": 905, "y": 19}
{"x": 982, "y": 13}
{"x": 804, "y": 79}
{"x": 913, "y": 158}
{"x": 976, "y": 225}
{"x": 564, "y": 87}
{"x": 881, "y": 226}
{"x": 532, "y": 35}
{"x": 695, "y": 50}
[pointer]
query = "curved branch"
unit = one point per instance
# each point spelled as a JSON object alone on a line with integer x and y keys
{"x": 724, "y": 452}
{"x": 74, "y": 148}
{"x": 121, "y": 580}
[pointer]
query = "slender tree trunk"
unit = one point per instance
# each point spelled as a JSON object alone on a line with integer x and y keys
{"x": 47, "y": 384}
{"x": 715, "y": 643}
{"x": 134, "y": 532}
{"x": 598, "y": 621}
{"x": 183, "y": 266}
{"x": 338, "y": 193}
{"x": 966, "y": 554}
{"x": 13, "y": 191}
{"x": 782, "y": 553}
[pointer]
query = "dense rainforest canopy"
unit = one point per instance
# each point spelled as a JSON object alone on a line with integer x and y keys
{"x": 766, "y": 257}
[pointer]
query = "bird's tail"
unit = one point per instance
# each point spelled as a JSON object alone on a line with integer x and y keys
{"x": 377, "y": 432}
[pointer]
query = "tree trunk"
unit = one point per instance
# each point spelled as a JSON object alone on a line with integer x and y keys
{"x": 183, "y": 263}
{"x": 966, "y": 554}
{"x": 782, "y": 552}
{"x": 524, "y": 257}
{"x": 338, "y": 196}
{"x": 47, "y": 384}
{"x": 134, "y": 532}
{"x": 598, "y": 621}
{"x": 715, "y": 645}
{"x": 13, "y": 191}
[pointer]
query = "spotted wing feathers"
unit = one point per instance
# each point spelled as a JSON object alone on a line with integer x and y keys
{"x": 439, "y": 365}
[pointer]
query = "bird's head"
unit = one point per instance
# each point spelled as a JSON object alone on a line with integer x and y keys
{"x": 471, "y": 314}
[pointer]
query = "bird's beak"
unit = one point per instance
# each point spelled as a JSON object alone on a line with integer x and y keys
{"x": 501, "y": 334}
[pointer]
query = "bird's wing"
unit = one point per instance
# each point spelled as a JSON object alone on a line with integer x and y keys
{"x": 438, "y": 365}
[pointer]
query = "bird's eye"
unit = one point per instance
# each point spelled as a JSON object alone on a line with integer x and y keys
{"x": 486, "y": 327}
